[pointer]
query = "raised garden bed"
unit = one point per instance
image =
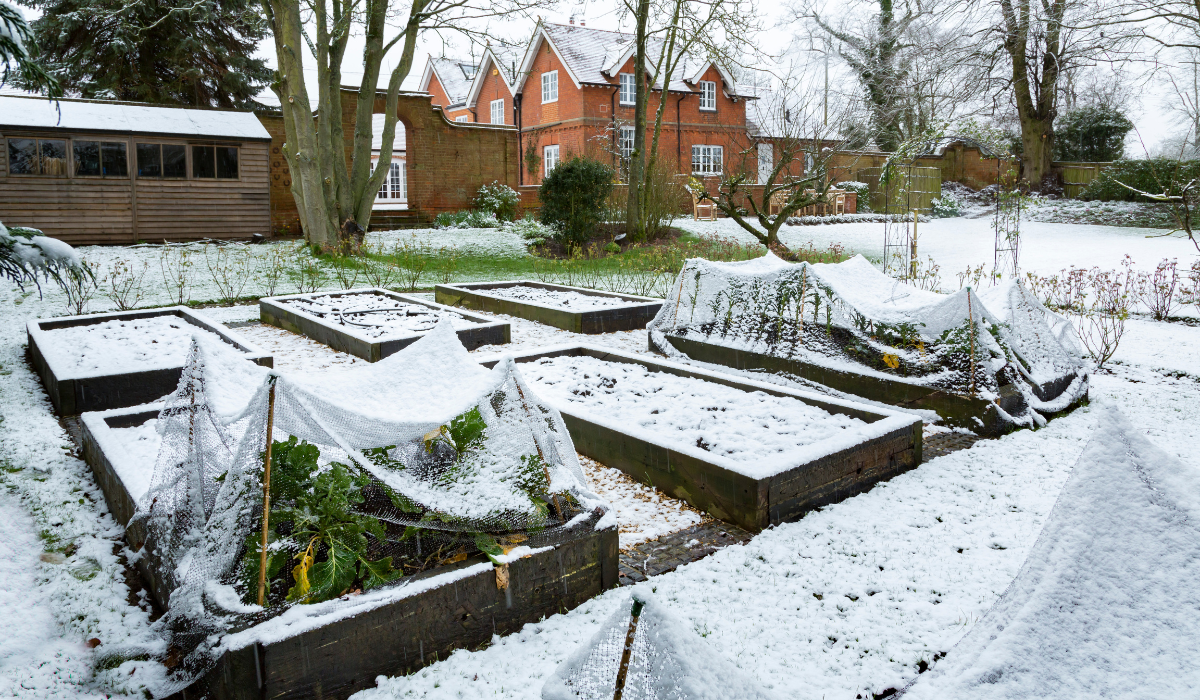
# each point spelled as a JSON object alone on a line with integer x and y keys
{"x": 569, "y": 308}
{"x": 818, "y": 450}
{"x": 114, "y": 360}
{"x": 336, "y": 648}
{"x": 970, "y": 412}
{"x": 373, "y": 323}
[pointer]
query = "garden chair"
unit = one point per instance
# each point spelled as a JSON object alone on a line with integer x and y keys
{"x": 699, "y": 206}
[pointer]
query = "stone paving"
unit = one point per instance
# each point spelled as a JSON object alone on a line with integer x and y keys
{"x": 942, "y": 444}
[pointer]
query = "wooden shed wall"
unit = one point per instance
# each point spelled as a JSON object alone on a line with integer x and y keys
{"x": 90, "y": 210}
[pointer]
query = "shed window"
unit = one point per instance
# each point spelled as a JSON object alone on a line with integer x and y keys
{"x": 209, "y": 162}
{"x": 37, "y": 157}
{"x": 149, "y": 160}
{"x": 708, "y": 95}
{"x": 174, "y": 160}
{"x": 113, "y": 162}
{"x": 87, "y": 157}
{"x": 168, "y": 160}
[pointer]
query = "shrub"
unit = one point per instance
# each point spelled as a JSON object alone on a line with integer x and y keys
{"x": 533, "y": 231}
{"x": 572, "y": 197}
{"x": 1152, "y": 175}
{"x": 944, "y": 207}
{"x": 467, "y": 218}
{"x": 863, "y": 192}
{"x": 499, "y": 200}
{"x": 1091, "y": 134}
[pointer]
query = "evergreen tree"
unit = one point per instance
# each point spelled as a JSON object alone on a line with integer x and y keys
{"x": 162, "y": 51}
{"x": 1091, "y": 135}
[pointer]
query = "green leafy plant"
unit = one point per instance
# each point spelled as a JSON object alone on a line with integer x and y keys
{"x": 572, "y": 198}
{"x": 497, "y": 199}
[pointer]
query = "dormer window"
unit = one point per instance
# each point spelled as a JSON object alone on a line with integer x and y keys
{"x": 708, "y": 96}
{"x": 628, "y": 89}
{"x": 468, "y": 70}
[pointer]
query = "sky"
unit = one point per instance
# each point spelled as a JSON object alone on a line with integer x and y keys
{"x": 1149, "y": 109}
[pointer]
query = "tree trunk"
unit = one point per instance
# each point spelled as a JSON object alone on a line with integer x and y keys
{"x": 1037, "y": 139}
{"x": 637, "y": 160}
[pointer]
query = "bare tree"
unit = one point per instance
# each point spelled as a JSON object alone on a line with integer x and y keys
{"x": 802, "y": 145}
{"x": 334, "y": 201}
{"x": 667, "y": 35}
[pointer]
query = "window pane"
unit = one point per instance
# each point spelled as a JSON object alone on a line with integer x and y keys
{"x": 204, "y": 162}
{"x": 54, "y": 157}
{"x": 174, "y": 160}
{"x": 22, "y": 156}
{"x": 227, "y": 166}
{"x": 149, "y": 160}
{"x": 87, "y": 157}
{"x": 112, "y": 159}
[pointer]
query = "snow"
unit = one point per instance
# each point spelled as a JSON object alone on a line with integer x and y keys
{"x": 103, "y": 116}
{"x": 373, "y": 315}
{"x": 958, "y": 243}
{"x": 294, "y": 353}
{"x": 1108, "y": 601}
{"x": 132, "y": 451}
{"x": 125, "y": 345}
{"x": 643, "y": 512}
{"x": 555, "y": 298}
{"x": 1173, "y": 347}
{"x": 744, "y": 427}
{"x": 497, "y": 242}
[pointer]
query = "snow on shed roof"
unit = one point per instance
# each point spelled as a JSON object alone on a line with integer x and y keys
{"x": 114, "y": 117}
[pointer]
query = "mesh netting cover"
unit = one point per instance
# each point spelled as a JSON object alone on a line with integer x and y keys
{"x": 1107, "y": 604}
{"x": 853, "y": 318}
{"x": 377, "y": 472}
{"x": 666, "y": 661}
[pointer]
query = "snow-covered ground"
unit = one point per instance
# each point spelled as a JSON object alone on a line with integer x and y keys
{"x": 558, "y": 298}
{"x": 845, "y": 601}
{"x": 958, "y": 243}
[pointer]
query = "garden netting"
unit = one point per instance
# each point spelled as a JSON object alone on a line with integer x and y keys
{"x": 666, "y": 660}
{"x": 853, "y": 318}
{"x": 378, "y": 472}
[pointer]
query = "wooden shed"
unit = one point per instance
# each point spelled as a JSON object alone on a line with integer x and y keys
{"x": 95, "y": 172}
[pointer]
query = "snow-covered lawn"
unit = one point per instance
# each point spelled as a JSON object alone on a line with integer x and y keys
{"x": 847, "y": 600}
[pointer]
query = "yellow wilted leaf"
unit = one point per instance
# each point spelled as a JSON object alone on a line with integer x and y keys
{"x": 891, "y": 361}
{"x": 433, "y": 434}
{"x": 300, "y": 572}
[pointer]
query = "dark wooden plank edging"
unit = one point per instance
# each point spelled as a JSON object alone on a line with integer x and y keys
{"x": 749, "y": 502}
{"x": 633, "y": 316}
{"x": 73, "y": 395}
{"x": 272, "y": 312}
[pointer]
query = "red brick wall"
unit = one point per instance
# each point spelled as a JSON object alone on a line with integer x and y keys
{"x": 493, "y": 88}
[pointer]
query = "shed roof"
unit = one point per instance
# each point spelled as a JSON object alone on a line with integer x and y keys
{"x": 117, "y": 117}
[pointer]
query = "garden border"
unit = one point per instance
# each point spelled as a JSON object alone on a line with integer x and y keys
{"x": 753, "y": 503}
{"x": 74, "y": 395}
{"x": 489, "y": 332}
{"x": 978, "y": 415}
{"x": 473, "y": 295}
{"x": 393, "y": 635}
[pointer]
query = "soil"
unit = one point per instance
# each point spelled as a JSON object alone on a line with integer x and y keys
{"x": 604, "y": 234}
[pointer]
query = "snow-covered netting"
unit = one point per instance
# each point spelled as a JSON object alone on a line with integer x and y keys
{"x": 555, "y": 298}
{"x": 648, "y": 654}
{"x": 851, "y": 317}
{"x": 377, "y": 472}
{"x": 1108, "y": 602}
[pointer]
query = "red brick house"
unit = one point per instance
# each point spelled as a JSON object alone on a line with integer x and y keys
{"x": 448, "y": 80}
{"x": 575, "y": 94}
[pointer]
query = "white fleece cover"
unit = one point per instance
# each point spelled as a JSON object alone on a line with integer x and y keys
{"x": 1108, "y": 602}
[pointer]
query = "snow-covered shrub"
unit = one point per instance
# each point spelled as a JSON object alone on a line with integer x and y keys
{"x": 27, "y": 256}
{"x": 533, "y": 232}
{"x": 467, "y": 218}
{"x": 944, "y": 207}
{"x": 863, "y": 192}
{"x": 499, "y": 200}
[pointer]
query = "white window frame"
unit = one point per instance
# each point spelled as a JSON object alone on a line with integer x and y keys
{"x": 708, "y": 96}
{"x": 766, "y": 161}
{"x": 395, "y": 183}
{"x": 707, "y": 160}
{"x": 628, "y": 89}
{"x": 625, "y": 140}
{"x": 550, "y": 86}
{"x": 549, "y": 158}
{"x": 496, "y": 107}
{"x": 462, "y": 118}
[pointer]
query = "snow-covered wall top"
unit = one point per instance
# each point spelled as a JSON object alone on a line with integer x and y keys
{"x": 37, "y": 113}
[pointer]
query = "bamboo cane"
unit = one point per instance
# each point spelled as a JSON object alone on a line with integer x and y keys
{"x": 262, "y": 562}
{"x": 623, "y": 669}
{"x": 912, "y": 253}
{"x": 971, "y": 320}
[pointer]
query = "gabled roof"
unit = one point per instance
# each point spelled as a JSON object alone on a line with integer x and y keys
{"x": 500, "y": 59}
{"x": 595, "y": 56}
{"x": 454, "y": 75}
{"x": 124, "y": 117}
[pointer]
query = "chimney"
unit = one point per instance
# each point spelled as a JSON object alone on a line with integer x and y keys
{"x": 572, "y": 20}
{"x": 583, "y": 22}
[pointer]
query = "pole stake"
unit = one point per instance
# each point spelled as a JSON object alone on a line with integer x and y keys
{"x": 623, "y": 670}
{"x": 262, "y": 561}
